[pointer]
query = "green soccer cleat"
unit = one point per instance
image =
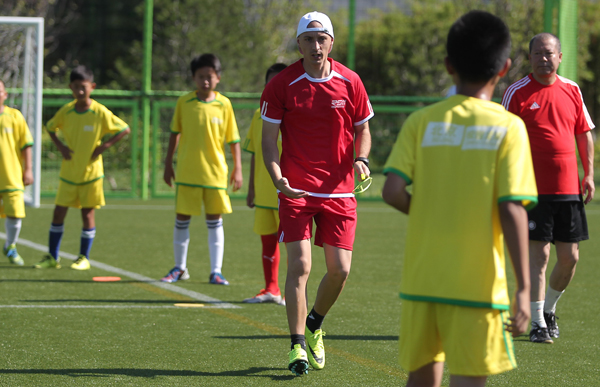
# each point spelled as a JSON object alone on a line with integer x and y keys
{"x": 316, "y": 348}
{"x": 298, "y": 361}
{"x": 13, "y": 256}
{"x": 48, "y": 263}
{"x": 82, "y": 263}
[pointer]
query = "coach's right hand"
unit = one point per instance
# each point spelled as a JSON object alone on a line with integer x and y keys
{"x": 283, "y": 186}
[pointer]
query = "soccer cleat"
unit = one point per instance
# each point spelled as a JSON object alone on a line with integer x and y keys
{"x": 48, "y": 262}
{"x": 298, "y": 361}
{"x": 176, "y": 274}
{"x": 217, "y": 279}
{"x": 264, "y": 296}
{"x": 550, "y": 319}
{"x": 539, "y": 334}
{"x": 13, "y": 256}
{"x": 81, "y": 263}
{"x": 316, "y": 348}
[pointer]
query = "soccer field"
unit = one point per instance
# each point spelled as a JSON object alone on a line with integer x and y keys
{"x": 60, "y": 328}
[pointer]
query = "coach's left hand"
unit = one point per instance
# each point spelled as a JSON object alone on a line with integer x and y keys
{"x": 588, "y": 188}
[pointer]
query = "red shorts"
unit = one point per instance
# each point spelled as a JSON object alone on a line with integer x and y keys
{"x": 335, "y": 219}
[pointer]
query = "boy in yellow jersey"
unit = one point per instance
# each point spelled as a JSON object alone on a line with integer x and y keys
{"x": 15, "y": 173}
{"x": 470, "y": 165}
{"x": 83, "y": 123}
{"x": 263, "y": 195}
{"x": 202, "y": 124}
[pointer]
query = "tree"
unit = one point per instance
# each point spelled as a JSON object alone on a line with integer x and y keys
{"x": 247, "y": 35}
{"x": 402, "y": 53}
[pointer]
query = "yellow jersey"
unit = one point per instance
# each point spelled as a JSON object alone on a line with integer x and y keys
{"x": 14, "y": 137}
{"x": 205, "y": 127}
{"x": 463, "y": 156}
{"x": 265, "y": 193}
{"x": 83, "y": 133}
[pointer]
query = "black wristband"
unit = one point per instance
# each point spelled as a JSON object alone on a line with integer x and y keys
{"x": 363, "y": 159}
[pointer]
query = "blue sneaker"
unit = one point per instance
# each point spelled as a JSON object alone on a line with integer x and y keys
{"x": 176, "y": 274}
{"x": 217, "y": 279}
{"x": 13, "y": 256}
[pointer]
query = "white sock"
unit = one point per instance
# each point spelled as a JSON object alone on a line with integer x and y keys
{"x": 181, "y": 241}
{"x": 537, "y": 314}
{"x": 552, "y": 297}
{"x": 13, "y": 228}
{"x": 216, "y": 242}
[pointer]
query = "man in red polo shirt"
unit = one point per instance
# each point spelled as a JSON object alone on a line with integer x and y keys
{"x": 554, "y": 112}
{"x": 322, "y": 110}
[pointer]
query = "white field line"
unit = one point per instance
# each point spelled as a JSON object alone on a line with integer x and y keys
{"x": 162, "y": 207}
{"x": 138, "y": 277}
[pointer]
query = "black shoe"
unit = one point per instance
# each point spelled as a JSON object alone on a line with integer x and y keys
{"x": 539, "y": 335}
{"x": 550, "y": 319}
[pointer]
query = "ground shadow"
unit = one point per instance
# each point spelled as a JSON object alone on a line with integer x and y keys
{"x": 74, "y": 281}
{"x": 121, "y": 301}
{"x": 113, "y": 301}
{"x": 329, "y": 337}
{"x": 149, "y": 373}
{"x": 13, "y": 266}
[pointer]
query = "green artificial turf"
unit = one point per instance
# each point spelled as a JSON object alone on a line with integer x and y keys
{"x": 129, "y": 333}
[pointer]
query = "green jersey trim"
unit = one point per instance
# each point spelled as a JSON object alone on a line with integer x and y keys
{"x": 199, "y": 186}
{"x": 440, "y": 300}
{"x": 234, "y": 142}
{"x": 75, "y": 111}
{"x": 533, "y": 200}
{"x": 266, "y": 208}
{"x": 12, "y": 189}
{"x": 399, "y": 173}
{"x": 27, "y": 145}
{"x": 207, "y": 102}
{"x": 246, "y": 145}
{"x": 84, "y": 183}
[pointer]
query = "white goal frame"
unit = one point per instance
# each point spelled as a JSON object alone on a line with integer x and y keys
{"x": 35, "y": 26}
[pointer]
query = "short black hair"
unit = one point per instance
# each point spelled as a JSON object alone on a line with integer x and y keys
{"x": 478, "y": 45}
{"x": 544, "y": 36}
{"x": 206, "y": 60}
{"x": 81, "y": 73}
{"x": 274, "y": 69}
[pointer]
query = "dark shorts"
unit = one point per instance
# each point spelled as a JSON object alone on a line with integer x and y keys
{"x": 558, "y": 221}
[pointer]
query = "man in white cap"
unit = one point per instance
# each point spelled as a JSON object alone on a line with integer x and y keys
{"x": 322, "y": 110}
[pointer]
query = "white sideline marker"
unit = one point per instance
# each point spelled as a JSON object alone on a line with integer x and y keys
{"x": 213, "y": 302}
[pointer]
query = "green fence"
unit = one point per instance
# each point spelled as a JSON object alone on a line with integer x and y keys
{"x": 123, "y": 164}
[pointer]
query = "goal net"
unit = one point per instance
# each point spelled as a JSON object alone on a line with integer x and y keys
{"x": 21, "y": 70}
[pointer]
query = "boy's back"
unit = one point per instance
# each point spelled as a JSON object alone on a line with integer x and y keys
{"x": 459, "y": 153}
{"x": 82, "y": 133}
{"x": 205, "y": 127}
{"x": 14, "y": 136}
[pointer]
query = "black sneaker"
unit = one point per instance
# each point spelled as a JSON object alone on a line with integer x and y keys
{"x": 550, "y": 319}
{"x": 539, "y": 334}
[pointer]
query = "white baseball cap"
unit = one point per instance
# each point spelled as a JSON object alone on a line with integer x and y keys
{"x": 327, "y": 27}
